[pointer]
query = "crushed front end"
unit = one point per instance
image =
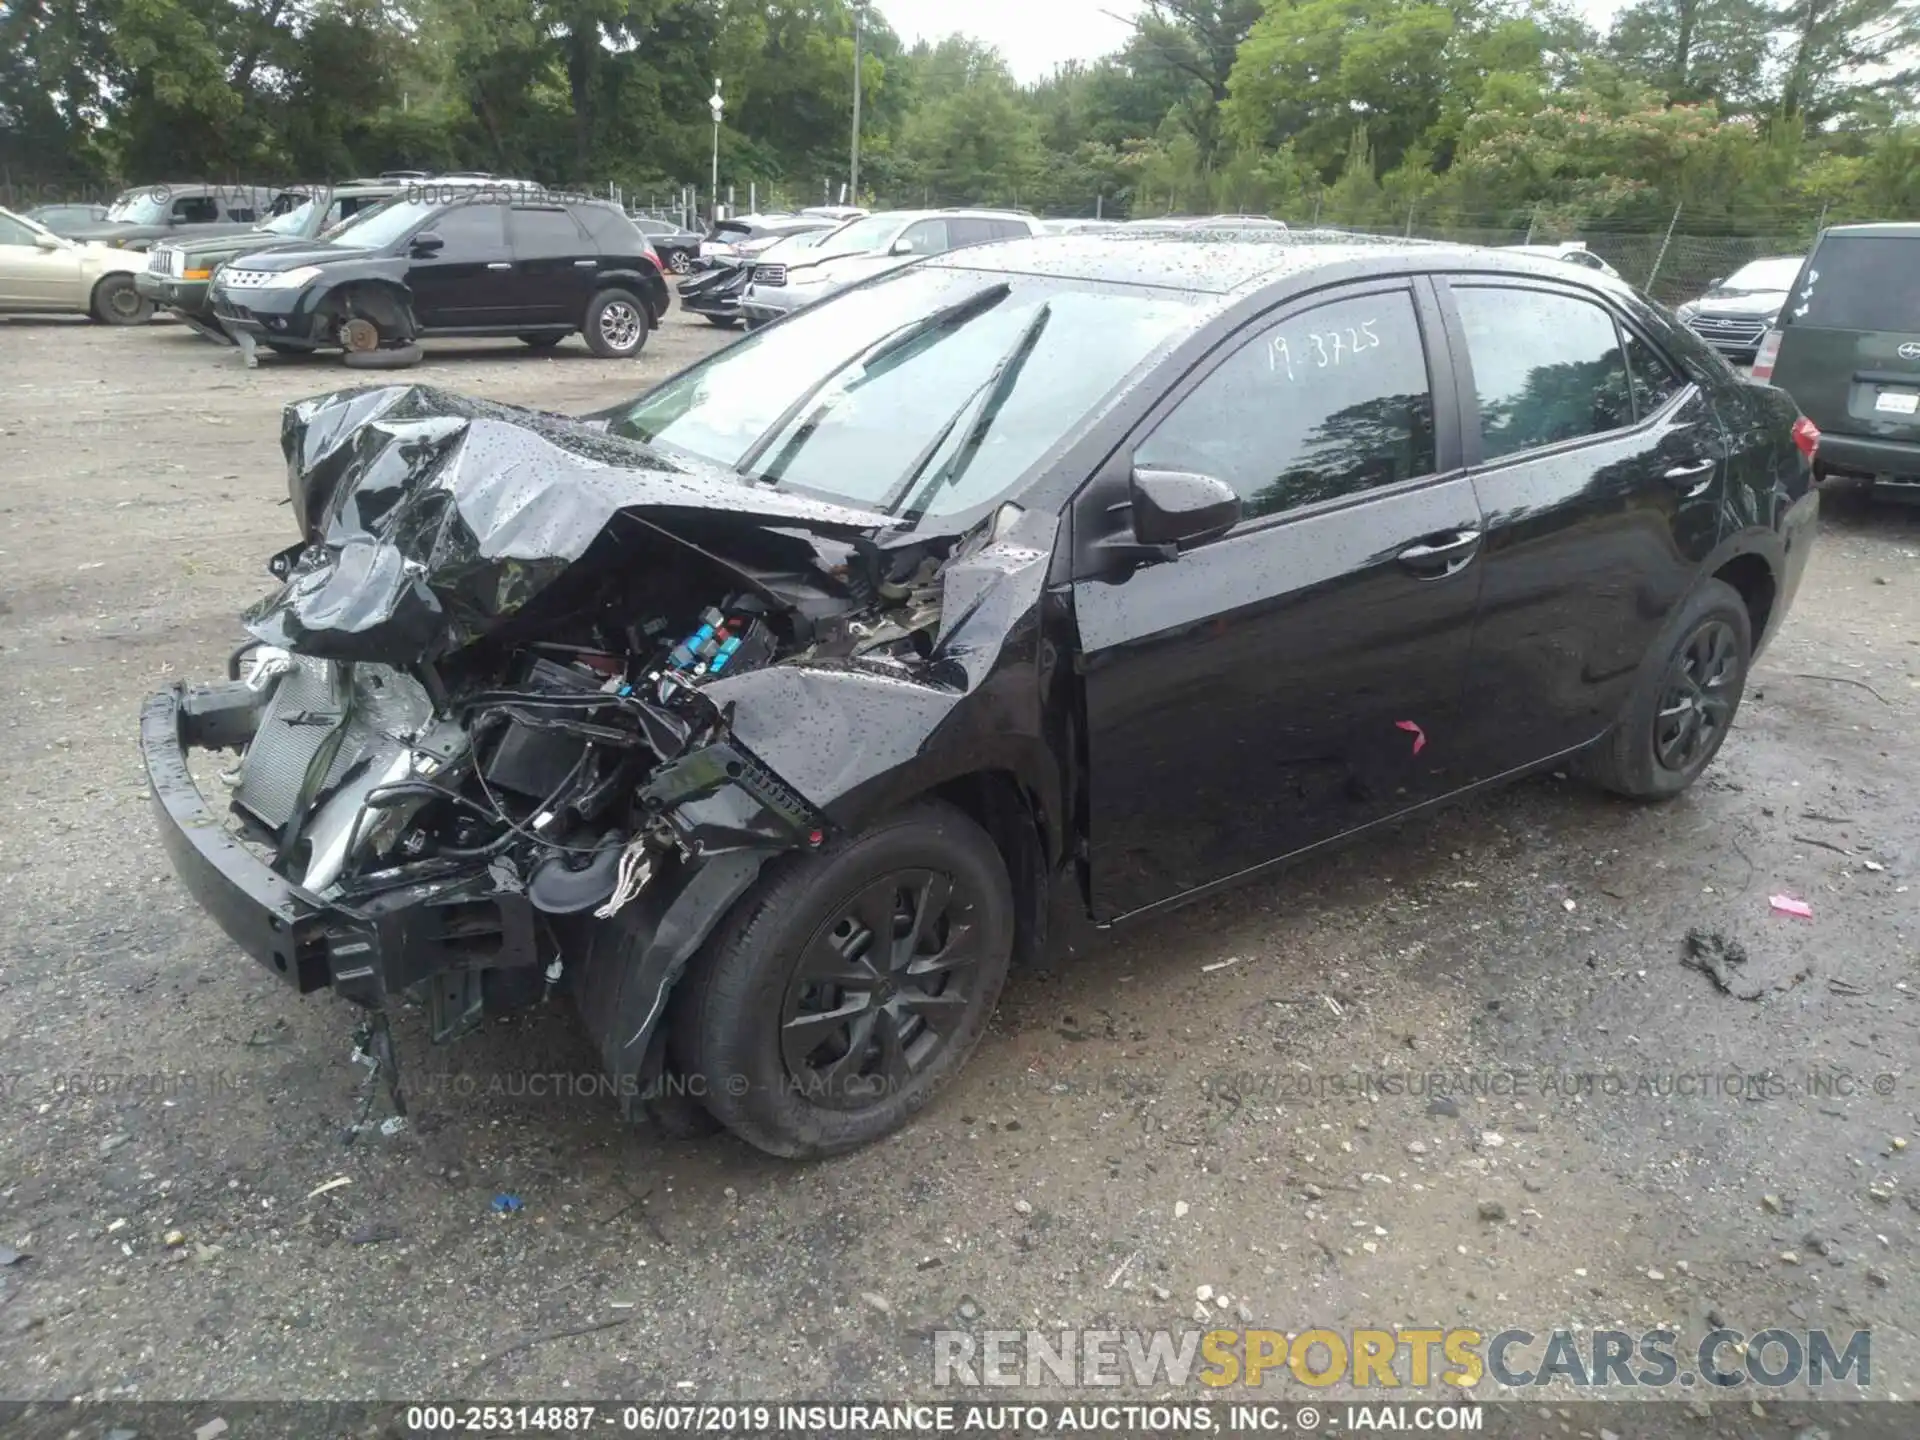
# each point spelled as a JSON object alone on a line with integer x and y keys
{"x": 472, "y": 754}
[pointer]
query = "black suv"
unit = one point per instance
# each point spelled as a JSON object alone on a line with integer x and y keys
{"x": 452, "y": 260}
{"x": 178, "y": 271}
{"x": 1847, "y": 348}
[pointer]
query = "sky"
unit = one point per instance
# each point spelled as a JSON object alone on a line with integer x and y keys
{"x": 1036, "y": 35}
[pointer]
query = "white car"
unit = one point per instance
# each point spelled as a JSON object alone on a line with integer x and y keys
{"x": 42, "y": 273}
{"x": 1573, "y": 252}
{"x": 872, "y": 246}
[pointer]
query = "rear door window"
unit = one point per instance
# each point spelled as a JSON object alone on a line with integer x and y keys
{"x": 1654, "y": 381}
{"x": 547, "y": 234}
{"x": 1860, "y": 282}
{"x": 1547, "y": 367}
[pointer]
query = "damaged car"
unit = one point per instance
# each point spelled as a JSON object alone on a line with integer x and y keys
{"x": 775, "y": 716}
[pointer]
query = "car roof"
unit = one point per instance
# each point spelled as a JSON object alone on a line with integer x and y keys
{"x": 1181, "y": 260}
{"x": 1888, "y": 230}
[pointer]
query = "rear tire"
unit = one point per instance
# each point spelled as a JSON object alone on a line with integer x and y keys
{"x": 117, "y": 301}
{"x": 616, "y": 325}
{"x": 1683, "y": 703}
{"x": 679, "y": 262}
{"x": 849, "y": 985}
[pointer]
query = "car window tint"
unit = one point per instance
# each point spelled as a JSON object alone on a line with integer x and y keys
{"x": 969, "y": 232}
{"x": 195, "y": 210}
{"x": 1654, "y": 381}
{"x": 469, "y": 228}
{"x": 543, "y": 234}
{"x": 927, "y": 237}
{"x": 12, "y": 232}
{"x": 1859, "y": 282}
{"x": 1546, "y": 367}
{"x": 1333, "y": 401}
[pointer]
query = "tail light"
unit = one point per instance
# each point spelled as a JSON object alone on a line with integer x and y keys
{"x": 1806, "y": 438}
{"x": 1768, "y": 353}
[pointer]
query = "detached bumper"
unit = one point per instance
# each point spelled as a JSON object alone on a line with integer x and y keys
{"x": 378, "y": 945}
{"x": 277, "y": 923}
{"x": 281, "y": 315}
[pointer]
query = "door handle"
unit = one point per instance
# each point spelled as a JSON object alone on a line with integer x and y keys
{"x": 1688, "y": 472}
{"x": 500, "y": 265}
{"x": 1442, "y": 555}
{"x": 585, "y": 264}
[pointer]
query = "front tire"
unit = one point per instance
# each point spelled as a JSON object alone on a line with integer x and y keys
{"x": 617, "y": 324}
{"x": 1683, "y": 702}
{"x": 680, "y": 262}
{"x": 117, "y": 301}
{"x": 850, "y": 984}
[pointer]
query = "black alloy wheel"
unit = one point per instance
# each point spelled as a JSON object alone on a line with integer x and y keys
{"x": 1696, "y": 705}
{"x": 849, "y": 984}
{"x": 881, "y": 988}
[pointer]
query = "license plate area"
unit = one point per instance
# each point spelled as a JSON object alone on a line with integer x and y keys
{"x": 1897, "y": 402}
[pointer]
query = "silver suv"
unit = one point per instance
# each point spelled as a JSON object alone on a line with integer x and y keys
{"x": 873, "y": 245}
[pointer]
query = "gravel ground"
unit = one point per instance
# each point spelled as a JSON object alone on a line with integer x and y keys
{"x": 1177, "y": 1110}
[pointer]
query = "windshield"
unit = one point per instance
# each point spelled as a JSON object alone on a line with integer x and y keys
{"x": 927, "y": 394}
{"x": 1763, "y": 275}
{"x": 138, "y": 207}
{"x": 872, "y": 233}
{"x": 373, "y": 229}
{"x": 296, "y": 220}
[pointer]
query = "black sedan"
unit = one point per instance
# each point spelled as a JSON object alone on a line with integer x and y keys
{"x": 678, "y": 247}
{"x": 1038, "y": 587}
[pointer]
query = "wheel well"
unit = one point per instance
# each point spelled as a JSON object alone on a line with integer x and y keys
{"x": 997, "y": 802}
{"x": 1753, "y": 578}
{"x": 384, "y": 304}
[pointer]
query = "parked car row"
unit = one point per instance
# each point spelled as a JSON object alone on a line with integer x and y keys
{"x": 370, "y": 268}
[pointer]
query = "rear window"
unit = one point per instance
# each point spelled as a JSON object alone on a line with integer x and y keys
{"x": 1860, "y": 282}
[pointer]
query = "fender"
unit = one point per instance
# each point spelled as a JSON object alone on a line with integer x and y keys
{"x": 649, "y": 285}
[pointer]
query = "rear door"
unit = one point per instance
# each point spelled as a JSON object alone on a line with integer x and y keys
{"x": 1600, "y": 469}
{"x": 554, "y": 264}
{"x": 1301, "y": 676}
{"x": 1850, "y": 346}
{"x": 468, "y": 283}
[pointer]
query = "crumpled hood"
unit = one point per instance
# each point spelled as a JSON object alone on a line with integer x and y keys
{"x": 430, "y": 519}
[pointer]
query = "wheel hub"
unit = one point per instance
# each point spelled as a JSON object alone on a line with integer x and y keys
{"x": 1697, "y": 698}
{"x": 880, "y": 988}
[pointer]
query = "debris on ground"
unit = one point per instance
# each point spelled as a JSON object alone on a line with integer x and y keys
{"x": 1717, "y": 957}
{"x": 375, "y": 1233}
{"x": 1787, "y": 905}
{"x": 333, "y": 1184}
{"x": 507, "y": 1203}
{"x": 11, "y": 1256}
{"x": 393, "y": 1125}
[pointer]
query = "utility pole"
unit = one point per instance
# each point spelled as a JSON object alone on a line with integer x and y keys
{"x": 859, "y": 28}
{"x": 719, "y": 108}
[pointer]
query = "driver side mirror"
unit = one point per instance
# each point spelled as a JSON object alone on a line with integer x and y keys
{"x": 1166, "y": 509}
{"x": 903, "y": 247}
{"x": 1716, "y": 282}
{"x": 427, "y": 243}
{"x": 45, "y": 241}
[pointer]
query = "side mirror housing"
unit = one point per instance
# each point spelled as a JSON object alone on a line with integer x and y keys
{"x": 1716, "y": 282}
{"x": 902, "y": 247}
{"x": 1164, "y": 510}
{"x": 427, "y": 243}
{"x": 1178, "y": 507}
{"x": 46, "y": 242}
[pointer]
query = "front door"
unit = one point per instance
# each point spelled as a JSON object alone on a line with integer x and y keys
{"x": 468, "y": 283}
{"x": 1301, "y": 676}
{"x": 35, "y": 279}
{"x": 1601, "y": 473}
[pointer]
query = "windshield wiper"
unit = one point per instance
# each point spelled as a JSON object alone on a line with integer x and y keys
{"x": 894, "y": 340}
{"x": 997, "y": 388}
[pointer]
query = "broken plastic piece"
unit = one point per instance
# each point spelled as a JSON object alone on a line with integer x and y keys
{"x": 1787, "y": 905}
{"x": 1419, "y": 735}
{"x": 506, "y": 1203}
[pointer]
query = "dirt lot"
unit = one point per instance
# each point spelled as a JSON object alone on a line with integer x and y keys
{"x": 1181, "y": 1109}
